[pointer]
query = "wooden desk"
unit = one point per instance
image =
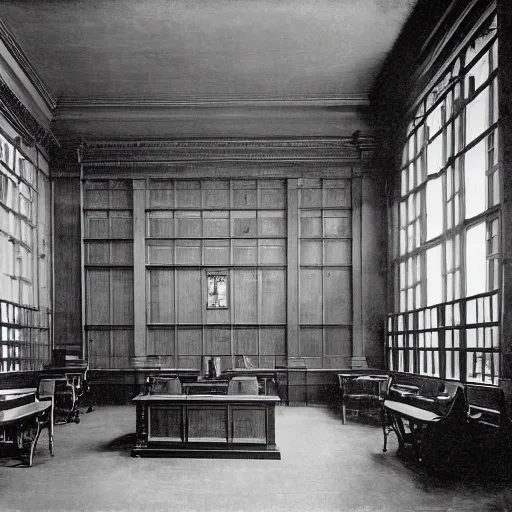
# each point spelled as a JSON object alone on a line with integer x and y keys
{"x": 206, "y": 426}
{"x": 21, "y": 427}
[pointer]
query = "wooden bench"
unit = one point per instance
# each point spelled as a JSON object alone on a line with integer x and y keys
{"x": 426, "y": 422}
{"x": 21, "y": 427}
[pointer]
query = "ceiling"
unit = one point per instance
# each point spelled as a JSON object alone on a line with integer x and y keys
{"x": 93, "y": 52}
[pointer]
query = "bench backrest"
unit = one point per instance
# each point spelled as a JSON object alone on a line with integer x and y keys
{"x": 489, "y": 403}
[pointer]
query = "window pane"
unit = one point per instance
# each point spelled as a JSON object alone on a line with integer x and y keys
{"x": 476, "y": 260}
{"x": 435, "y": 155}
{"x": 477, "y": 116}
{"x": 434, "y": 208}
{"x": 434, "y": 276}
{"x": 474, "y": 179}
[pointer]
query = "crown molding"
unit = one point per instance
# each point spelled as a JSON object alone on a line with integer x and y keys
{"x": 23, "y": 121}
{"x": 22, "y": 60}
{"x": 134, "y": 103}
{"x": 158, "y": 152}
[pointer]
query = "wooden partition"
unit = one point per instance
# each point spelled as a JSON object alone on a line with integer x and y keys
{"x": 247, "y": 261}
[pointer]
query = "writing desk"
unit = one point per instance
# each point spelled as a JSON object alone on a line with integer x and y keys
{"x": 206, "y": 426}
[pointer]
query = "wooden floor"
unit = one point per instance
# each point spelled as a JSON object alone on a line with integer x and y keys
{"x": 325, "y": 466}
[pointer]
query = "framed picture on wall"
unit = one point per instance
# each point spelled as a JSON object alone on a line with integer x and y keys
{"x": 217, "y": 289}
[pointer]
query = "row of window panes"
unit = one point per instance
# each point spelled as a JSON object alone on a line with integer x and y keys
{"x": 481, "y": 366}
{"x": 18, "y": 197}
{"x": 478, "y": 310}
{"x": 479, "y": 174}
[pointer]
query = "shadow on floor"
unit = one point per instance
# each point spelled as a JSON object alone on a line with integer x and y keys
{"x": 122, "y": 443}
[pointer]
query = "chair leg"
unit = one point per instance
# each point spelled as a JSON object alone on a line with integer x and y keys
{"x": 343, "y": 414}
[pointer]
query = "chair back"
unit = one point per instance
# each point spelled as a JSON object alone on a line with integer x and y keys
{"x": 243, "y": 386}
{"x": 46, "y": 388}
{"x": 166, "y": 386}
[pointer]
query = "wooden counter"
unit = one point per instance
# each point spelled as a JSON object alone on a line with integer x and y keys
{"x": 206, "y": 426}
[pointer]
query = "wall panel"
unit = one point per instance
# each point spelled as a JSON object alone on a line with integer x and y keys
{"x": 233, "y": 226}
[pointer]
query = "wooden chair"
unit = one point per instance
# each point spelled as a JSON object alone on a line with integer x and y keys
{"x": 243, "y": 386}
{"x": 165, "y": 386}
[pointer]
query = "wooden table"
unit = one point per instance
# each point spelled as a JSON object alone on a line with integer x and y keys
{"x": 22, "y": 427}
{"x": 18, "y": 391}
{"x": 207, "y": 426}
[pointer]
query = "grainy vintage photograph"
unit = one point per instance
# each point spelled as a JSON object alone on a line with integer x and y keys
{"x": 255, "y": 255}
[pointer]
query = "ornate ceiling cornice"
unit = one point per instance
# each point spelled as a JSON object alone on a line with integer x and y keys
{"x": 23, "y": 121}
{"x": 22, "y": 60}
{"x": 125, "y": 153}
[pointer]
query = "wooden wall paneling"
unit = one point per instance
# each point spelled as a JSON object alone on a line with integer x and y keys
{"x": 122, "y": 348}
{"x": 273, "y": 296}
{"x": 311, "y": 223}
{"x": 311, "y": 341}
{"x": 357, "y": 333}
{"x": 160, "y": 224}
{"x": 337, "y": 223}
{"x": 272, "y": 251}
{"x": 373, "y": 261}
{"x": 97, "y": 224}
{"x": 121, "y": 253}
{"x": 272, "y": 223}
{"x": 245, "y": 252}
{"x": 98, "y": 342}
{"x": 160, "y": 252}
{"x": 310, "y": 192}
{"x": 188, "y": 193}
{"x": 338, "y": 252}
{"x": 337, "y": 296}
{"x": 161, "y": 296}
{"x": 336, "y": 193}
{"x": 121, "y": 196}
{"x": 245, "y": 301}
{"x": 176, "y": 348}
{"x": 216, "y": 193}
{"x": 96, "y": 194}
{"x": 293, "y": 285}
{"x": 272, "y": 194}
{"x": 216, "y": 252}
{"x": 97, "y": 253}
{"x": 245, "y": 340}
{"x": 190, "y": 341}
{"x": 139, "y": 299}
{"x": 244, "y": 194}
{"x": 188, "y": 252}
{"x": 338, "y": 341}
{"x": 272, "y": 341}
{"x": 98, "y": 296}
{"x": 190, "y": 299}
{"x": 311, "y": 252}
{"x": 161, "y": 341}
{"x": 161, "y": 193}
{"x": 216, "y": 223}
{"x": 218, "y": 341}
{"x": 189, "y": 224}
{"x": 244, "y": 223}
{"x": 311, "y": 296}
{"x": 67, "y": 283}
{"x": 122, "y": 281}
{"x": 121, "y": 224}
